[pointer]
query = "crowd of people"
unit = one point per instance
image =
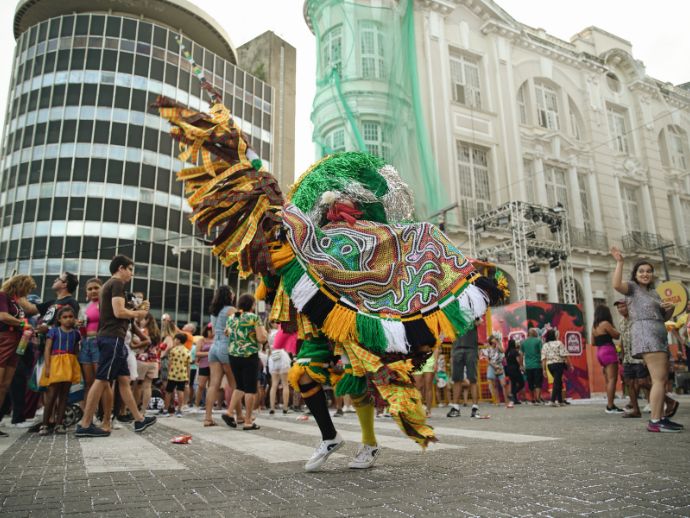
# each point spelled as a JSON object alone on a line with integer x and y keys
{"x": 113, "y": 361}
{"x": 116, "y": 364}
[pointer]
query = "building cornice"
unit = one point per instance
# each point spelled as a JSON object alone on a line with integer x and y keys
{"x": 500, "y": 28}
{"x": 444, "y": 7}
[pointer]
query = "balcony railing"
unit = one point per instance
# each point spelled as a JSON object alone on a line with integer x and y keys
{"x": 642, "y": 241}
{"x": 590, "y": 239}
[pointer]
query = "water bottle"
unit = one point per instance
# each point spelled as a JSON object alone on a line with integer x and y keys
{"x": 24, "y": 341}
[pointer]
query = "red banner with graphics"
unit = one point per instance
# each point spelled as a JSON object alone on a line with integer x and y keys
{"x": 514, "y": 320}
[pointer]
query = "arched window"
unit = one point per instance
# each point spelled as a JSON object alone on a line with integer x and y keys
{"x": 547, "y": 105}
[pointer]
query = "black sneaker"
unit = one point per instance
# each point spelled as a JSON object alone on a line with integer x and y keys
{"x": 665, "y": 421}
{"x": 338, "y": 413}
{"x": 475, "y": 412}
{"x": 126, "y": 418}
{"x": 3, "y": 434}
{"x": 142, "y": 425}
{"x": 90, "y": 431}
{"x": 613, "y": 410}
{"x": 453, "y": 412}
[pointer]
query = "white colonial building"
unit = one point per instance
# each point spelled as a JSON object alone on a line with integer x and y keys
{"x": 516, "y": 114}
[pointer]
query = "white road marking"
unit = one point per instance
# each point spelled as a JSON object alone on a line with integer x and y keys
{"x": 477, "y": 434}
{"x": 6, "y": 442}
{"x": 394, "y": 443}
{"x": 124, "y": 450}
{"x": 273, "y": 451}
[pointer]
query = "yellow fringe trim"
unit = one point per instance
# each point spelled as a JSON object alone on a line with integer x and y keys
{"x": 439, "y": 325}
{"x": 281, "y": 255}
{"x": 261, "y": 291}
{"x": 340, "y": 324}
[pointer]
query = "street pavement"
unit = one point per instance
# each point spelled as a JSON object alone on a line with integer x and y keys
{"x": 525, "y": 461}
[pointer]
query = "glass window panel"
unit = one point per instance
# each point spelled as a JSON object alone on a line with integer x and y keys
{"x": 114, "y": 172}
{"x": 89, "y": 93}
{"x": 141, "y": 66}
{"x": 144, "y": 33}
{"x": 129, "y": 211}
{"x": 69, "y": 131}
{"x": 82, "y": 25}
{"x": 94, "y": 209}
{"x": 109, "y": 60}
{"x": 111, "y": 210}
{"x": 73, "y": 94}
{"x": 93, "y": 59}
{"x": 39, "y": 134}
{"x": 113, "y": 26}
{"x": 117, "y": 134}
{"x": 102, "y": 131}
{"x": 33, "y": 101}
{"x": 54, "y": 30}
{"x": 67, "y": 26}
{"x": 134, "y": 136}
{"x": 49, "y": 64}
{"x": 129, "y": 29}
{"x": 171, "y": 74}
{"x": 97, "y": 24}
{"x": 157, "y": 69}
{"x": 85, "y": 131}
{"x": 150, "y": 139}
{"x": 97, "y": 170}
{"x": 72, "y": 245}
{"x": 126, "y": 62}
{"x": 38, "y": 65}
{"x": 138, "y": 100}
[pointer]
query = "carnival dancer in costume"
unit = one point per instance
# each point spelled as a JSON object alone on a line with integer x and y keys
{"x": 342, "y": 260}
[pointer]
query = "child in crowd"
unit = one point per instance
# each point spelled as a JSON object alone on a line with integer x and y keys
{"x": 178, "y": 372}
{"x": 494, "y": 353}
{"x": 61, "y": 368}
{"x": 441, "y": 382}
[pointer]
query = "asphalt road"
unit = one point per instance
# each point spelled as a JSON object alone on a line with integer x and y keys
{"x": 526, "y": 461}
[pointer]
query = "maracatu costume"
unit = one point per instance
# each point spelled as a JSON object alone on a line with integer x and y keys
{"x": 340, "y": 259}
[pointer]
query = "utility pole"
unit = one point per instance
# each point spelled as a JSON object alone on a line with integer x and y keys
{"x": 662, "y": 251}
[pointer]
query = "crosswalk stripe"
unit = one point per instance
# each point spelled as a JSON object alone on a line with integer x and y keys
{"x": 386, "y": 441}
{"x": 273, "y": 451}
{"x": 6, "y": 442}
{"x": 124, "y": 450}
{"x": 477, "y": 434}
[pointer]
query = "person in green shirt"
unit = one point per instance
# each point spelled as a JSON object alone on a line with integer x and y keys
{"x": 246, "y": 334}
{"x": 531, "y": 362}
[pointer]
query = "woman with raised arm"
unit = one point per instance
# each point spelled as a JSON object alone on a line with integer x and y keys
{"x": 647, "y": 314}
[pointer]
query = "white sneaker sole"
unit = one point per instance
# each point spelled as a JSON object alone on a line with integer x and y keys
{"x": 314, "y": 466}
{"x": 356, "y": 465}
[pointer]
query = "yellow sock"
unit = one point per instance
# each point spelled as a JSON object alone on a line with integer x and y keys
{"x": 365, "y": 414}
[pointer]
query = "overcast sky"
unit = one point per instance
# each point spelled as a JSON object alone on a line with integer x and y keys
{"x": 659, "y": 32}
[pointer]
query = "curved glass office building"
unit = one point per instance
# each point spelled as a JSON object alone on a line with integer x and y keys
{"x": 88, "y": 168}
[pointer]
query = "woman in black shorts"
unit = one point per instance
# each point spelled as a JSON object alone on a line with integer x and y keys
{"x": 246, "y": 333}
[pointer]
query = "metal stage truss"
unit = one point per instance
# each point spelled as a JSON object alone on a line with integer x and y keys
{"x": 528, "y": 236}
